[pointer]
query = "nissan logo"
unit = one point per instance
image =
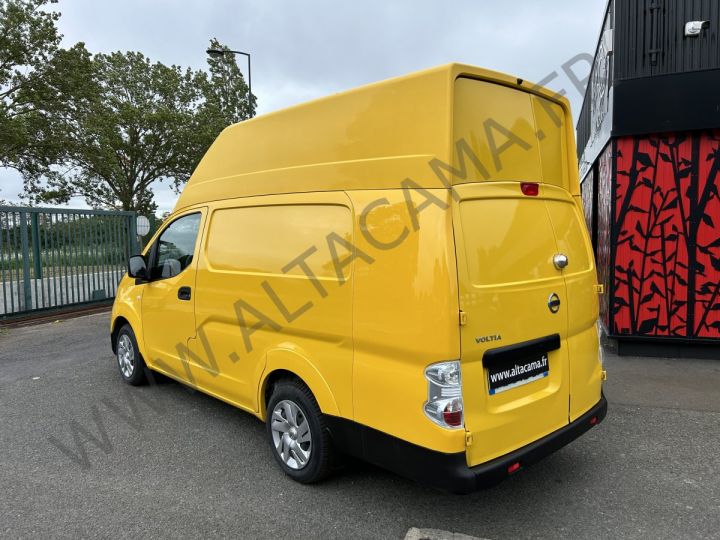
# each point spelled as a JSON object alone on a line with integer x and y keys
{"x": 554, "y": 303}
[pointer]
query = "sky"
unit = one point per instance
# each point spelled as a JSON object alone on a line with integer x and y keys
{"x": 309, "y": 49}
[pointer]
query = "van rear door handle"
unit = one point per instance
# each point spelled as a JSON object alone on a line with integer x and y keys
{"x": 184, "y": 293}
{"x": 560, "y": 261}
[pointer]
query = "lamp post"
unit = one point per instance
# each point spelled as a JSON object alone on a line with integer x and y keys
{"x": 217, "y": 53}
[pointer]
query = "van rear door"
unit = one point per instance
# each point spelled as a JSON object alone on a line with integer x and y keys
{"x": 529, "y": 343}
{"x": 513, "y": 343}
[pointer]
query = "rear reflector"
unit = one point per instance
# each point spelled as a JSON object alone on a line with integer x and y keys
{"x": 593, "y": 420}
{"x": 452, "y": 418}
{"x": 531, "y": 189}
{"x": 515, "y": 467}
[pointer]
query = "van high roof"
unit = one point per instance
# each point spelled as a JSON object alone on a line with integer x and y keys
{"x": 371, "y": 137}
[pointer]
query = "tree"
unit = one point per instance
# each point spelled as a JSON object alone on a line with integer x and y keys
{"x": 41, "y": 85}
{"x": 147, "y": 122}
{"x": 226, "y": 85}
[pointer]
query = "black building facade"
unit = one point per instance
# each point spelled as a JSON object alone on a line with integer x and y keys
{"x": 649, "y": 151}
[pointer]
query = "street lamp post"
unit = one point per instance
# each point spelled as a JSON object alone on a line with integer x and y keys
{"x": 221, "y": 52}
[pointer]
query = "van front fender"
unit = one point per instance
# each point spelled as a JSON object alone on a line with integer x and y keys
{"x": 127, "y": 305}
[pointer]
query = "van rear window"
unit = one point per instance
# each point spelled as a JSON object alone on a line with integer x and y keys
{"x": 514, "y": 134}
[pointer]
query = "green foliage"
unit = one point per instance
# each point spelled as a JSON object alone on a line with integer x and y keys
{"x": 41, "y": 86}
{"x": 145, "y": 122}
{"x": 107, "y": 127}
{"x": 138, "y": 128}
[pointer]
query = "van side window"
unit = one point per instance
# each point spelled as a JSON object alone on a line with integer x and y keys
{"x": 280, "y": 234}
{"x": 175, "y": 247}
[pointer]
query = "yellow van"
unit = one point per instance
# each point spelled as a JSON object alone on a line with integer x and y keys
{"x": 400, "y": 272}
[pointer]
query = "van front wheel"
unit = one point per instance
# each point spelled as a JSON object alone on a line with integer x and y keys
{"x": 129, "y": 360}
{"x": 297, "y": 433}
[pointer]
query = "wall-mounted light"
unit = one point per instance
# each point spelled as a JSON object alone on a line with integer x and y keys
{"x": 695, "y": 28}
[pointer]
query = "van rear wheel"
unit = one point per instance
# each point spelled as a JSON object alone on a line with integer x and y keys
{"x": 297, "y": 433}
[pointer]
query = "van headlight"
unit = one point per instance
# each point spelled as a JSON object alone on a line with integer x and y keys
{"x": 444, "y": 405}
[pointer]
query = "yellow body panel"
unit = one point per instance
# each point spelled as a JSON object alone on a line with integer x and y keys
{"x": 405, "y": 312}
{"x": 127, "y": 307}
{"x": 249, "y": 243}
{"x": 340, "y": 240}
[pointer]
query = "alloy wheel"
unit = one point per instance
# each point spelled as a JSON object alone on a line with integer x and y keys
{"x": 291, "y": 434}
{"x": 126, "y": 356}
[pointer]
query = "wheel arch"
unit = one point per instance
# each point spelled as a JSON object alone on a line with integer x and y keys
{"x": 117, "y": 324}
{"x": 288, "y": 364}
{"x": 119, "y": 319}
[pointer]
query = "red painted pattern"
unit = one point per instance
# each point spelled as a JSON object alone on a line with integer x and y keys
{"x": 666, "y": 235}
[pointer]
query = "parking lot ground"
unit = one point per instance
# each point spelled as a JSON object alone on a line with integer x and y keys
{"x": 82, "y": 454}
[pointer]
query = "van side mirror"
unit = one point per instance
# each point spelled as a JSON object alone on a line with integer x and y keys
{"x": 137, "y": 268}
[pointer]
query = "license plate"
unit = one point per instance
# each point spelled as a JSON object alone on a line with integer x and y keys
{"x": 513, "y": 374}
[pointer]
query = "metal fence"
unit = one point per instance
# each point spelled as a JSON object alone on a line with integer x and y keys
{"x": 52, "y": 258}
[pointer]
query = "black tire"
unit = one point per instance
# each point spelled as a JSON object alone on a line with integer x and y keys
{"x": 318, "y": 465}
{"x": 132, "y": 368}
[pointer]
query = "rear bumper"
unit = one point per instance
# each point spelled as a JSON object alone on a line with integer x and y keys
{"x": 450, "y": 472}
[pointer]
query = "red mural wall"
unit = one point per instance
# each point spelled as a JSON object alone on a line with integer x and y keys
{"x": 665, "y": 235}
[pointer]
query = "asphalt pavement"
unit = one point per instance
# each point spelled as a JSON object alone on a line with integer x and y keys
{"x": 83, "y": 455}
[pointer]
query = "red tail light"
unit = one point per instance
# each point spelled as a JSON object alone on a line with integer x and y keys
{"x": 531, "y": 189}
{"x": 444, "y": 405}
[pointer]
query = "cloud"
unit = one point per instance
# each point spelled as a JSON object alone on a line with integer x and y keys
{"x": 304, "y": 50}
